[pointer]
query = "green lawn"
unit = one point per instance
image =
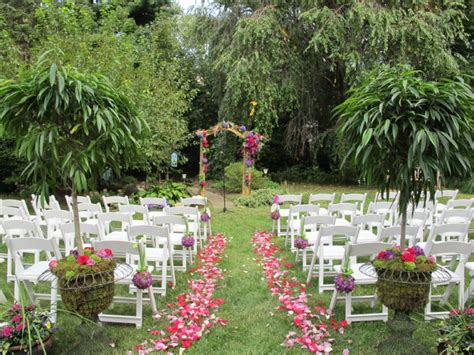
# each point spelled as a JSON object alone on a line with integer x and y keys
{"x": 254, "y": 326}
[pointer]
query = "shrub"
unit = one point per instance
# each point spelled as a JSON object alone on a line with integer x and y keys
{"x": 313, "y": 174}
{"x": 258, "y": 198}
{"x": 171, "y": 191}
{"x": 233, "y": 174}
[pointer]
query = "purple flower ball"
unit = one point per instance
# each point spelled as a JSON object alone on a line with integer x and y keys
{"x": 276, "y": 215}
{"x": 248, "y": 162}
{"x": 205, "y": 217}
{"x": 187, "y": 241}
{"x": 344, "y": 283}
{"x": 225, "y": 124}
{"x": 301, "y": 243}
{"x": 419, "y": 251}
{"x": 243, "y": 128}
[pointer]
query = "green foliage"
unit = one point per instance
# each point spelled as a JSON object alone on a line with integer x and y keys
{"x": 10, "y": 166}
{"x": 233, "y": 175}
{"x": 258, "y": 198}
{"x": 68, "y": 126}
{"x": 10, "y": 53}
{"x": 403, "y": 130}
{"x": 303, "y": 173}
{"x": 173, "y": 192}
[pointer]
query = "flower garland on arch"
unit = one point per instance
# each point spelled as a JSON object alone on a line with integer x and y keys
{"x": 194, "y": 312}
{"x": 313, "y": 325}
{"x": 252, "y": 144}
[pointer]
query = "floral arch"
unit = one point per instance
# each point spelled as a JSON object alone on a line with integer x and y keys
{"x": 252, "y": 143}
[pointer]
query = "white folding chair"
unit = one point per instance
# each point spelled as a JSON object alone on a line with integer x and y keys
{"x": 294, "y": 221}
{"x": 80, "y": 199}
{"x": 311, "y": 226}
{"x": 159, "y": 253}
{"x": 367, "y": 223}
{"x": 462, "y": 203}
{"x": 110, "y": 201}
{"x": 382, "y": 197}
{"x": 424, "y": 206}
{"x": 136, "y": 211}
{"x": 39, "y": 205}
{"x": 155, "y": 206}
{"x": 445, "y": 195}
{"x": 192, "y": 218}
{"x": 353, "y": 251}
{"x": 386, "y": 208}
{"x": 326, "y": 199}
{"x": 89, "y": 233}
{"x": 130, "y": 252}
{"x": 201, "y": 203}
{"x": 20, "y": 229}
{"x": 456, "y": 215}
{"x": 341, "y": 211}
{"x": 284, "y": 212}
{"x": 21, "y": 204}
{"x": 358, "y": 199}
{"x": 327, "y": 253}
{"x": 53, "y": 219}
{"x": 9, "y": 213}
{"x": 29, "y": 274}
{"x": 462, "y": 250}
{"x": 392, "y": 235}
{"x": 448, "y": 232}
{"x": 108, "y": 222}
{"x": 89, "y": 212}
{"x": 419, "y": 219}
{"x": 175, "y": 225}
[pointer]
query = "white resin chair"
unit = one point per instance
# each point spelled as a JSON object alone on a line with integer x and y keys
{"x": 358, "y": 199}
{"x": 127, "y": 249}
{"x": 317, "y": 199}
{"x": 327, "y": 253}
{"x": 89, "y": 212}
{"x": 29, "y": 274}
{"x": 21, "y": 204}
{"x": 392, "y": 196}
{"x": 53, "y": 219}
{"x": 370, "y": 226}
{"x": 295, "y": 215}
{"x": 311, "y": 226}
{"x": 39, "y": 205}
{"x": 192, "y": 218}
{"x": 80, "y": 199}
{"x": 175, "y": 225}
{"x": 155, "y": 206}
{"x": 444, "y": 194}
{"x": 285, "y": 211}
{"x": 342, "y": 211}
{"x": 89, "y": 233}
{"x": 354, "y": 251}
{"x": 392, "y": 235}
{"x": 201, "y": 203}
{"x": 419, "y": 219}
{"x": 108, "y": 223}
{"x": 386, "y": 208}
{"x": 159, "y": 253}
{"x": 456, "y": 215}
{"x": 135, "y": 211}
{"x": 462, "y": 250}
{"x": 448, "y": 232}
{"x": 111, "y": 201}
{"x": 463, "y": 203}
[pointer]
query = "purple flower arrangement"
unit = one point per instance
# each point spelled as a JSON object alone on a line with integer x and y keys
{"x": 275, "y": 215}
{"x": 205, "y": 217}
{"x": 301, "y": 243}
{"x": 344, "y": 283}
{"x": 411, "y": 259}
{"x": 187, "y": 241}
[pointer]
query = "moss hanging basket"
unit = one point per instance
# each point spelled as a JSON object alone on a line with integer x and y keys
{"x": 403, "y": 290}
{"x": 89, "y": 293}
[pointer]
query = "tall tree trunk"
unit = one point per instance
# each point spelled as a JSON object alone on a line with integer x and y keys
{"x": 403, "y": 230}
{"x": 77, "y": 221}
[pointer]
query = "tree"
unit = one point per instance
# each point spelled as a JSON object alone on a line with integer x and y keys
{"x": 404, "y": 130}
{"x": 69, "y": 127}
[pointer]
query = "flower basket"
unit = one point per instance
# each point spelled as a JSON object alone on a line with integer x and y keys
{"x": 403, "y": 290}
{"x": 86, "y": 282}
{"x": 36, "y": 350}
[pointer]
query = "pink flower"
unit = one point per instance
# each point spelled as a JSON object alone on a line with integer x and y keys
{"x": 17, "y": 318}
{"x": 19, "y": 327}
{"x": 53, "y": 263}
{"x": 408, "y": 257}
{"x": 90, "y": 262}
{"x": 431, "y": 259}
{"x": 82, "y": 260}
{"x": 7, "y": 331}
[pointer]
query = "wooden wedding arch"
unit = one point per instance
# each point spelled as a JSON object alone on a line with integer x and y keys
{"x": 252, "y": 143}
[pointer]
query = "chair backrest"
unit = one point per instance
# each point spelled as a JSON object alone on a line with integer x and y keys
{"x": 57, "y": 216}
{"x": 456, "y": 214}
{"x": 114, "y": 200}
{"x": 418, "y": 218}
{"x": 297, "y": 210}
{"x": 170, "y": 222}
{"x": 105, "y": 220}
{"x": 366, "y": 249}
{"x": 462, "y": 249}
{"x": 118, "y": 247}
{"x": 183, "y": 211}
{"x": 368, "y": 220}
{"x": 17, "y": 227}
{"x": 17, "y": 245}
{"x": 462, "y": 203}
{"x": 15, "y": 203}
{"x": 382, "y": 206}
{"x": 93, "y": 208}
{"x": 159, "y": 235}
{"x": 322, "y": 197}
{"x": 423, "y": 205}
{"x": 319, "y": 220}
{"x": 327, "y": 234}
{"x": 67, "y": 229}
{"x": 153, "y": 202}
{"x": 13, "y": 212}
{"x": 450, "y": 194}
{"x": 80, "y": 199}
{"x": 459, "y": 230}
{"x": 290, "y": 199}
{"x": 392, "y": 196}
{"x": 48, "y": 204}
{"x": 392, "y": 234}
{"x": 194, "y": 201}
{"x": 339, "y": 208}
{"x": 132, "y": 210}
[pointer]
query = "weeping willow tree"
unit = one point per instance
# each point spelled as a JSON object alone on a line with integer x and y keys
{"x": 298, "y": 59}
{"x": 69, "y": 127}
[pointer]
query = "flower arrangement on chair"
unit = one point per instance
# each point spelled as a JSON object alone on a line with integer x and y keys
{"x": 344, "y": 281}
{"x": 142, "y": 278}
{"x": 188, "y": 241}
{"x": 26, "y": 331}
{"x": 86, "y": 281}
{"x": 275, "y": 209}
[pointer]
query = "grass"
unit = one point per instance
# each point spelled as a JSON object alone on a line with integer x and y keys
{"x": 254, "y": 326}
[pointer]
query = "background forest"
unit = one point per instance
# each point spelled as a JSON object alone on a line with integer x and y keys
{"x": 190, "y": 70}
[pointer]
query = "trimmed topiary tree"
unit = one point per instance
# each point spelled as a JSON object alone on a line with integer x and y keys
{"x": 403, "y": 131}
{"x": 69, "y": 127}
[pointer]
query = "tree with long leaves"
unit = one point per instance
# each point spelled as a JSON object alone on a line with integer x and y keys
{"x": 69, "y": 127}
{"x": 404, "y": 131}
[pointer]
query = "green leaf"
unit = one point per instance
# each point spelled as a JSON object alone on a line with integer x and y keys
{"x": 52, "y": 73}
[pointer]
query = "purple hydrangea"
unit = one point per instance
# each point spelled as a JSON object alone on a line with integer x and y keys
{"x": 225, "y": 124}
{"x": 344, "y": 283}
{"x": 248, "y": 162}
{"x": 276, "y": 215}
{"x": 276, "y": 199}
{"x": 187, "y": 241}
{"x": 301, "y": 243}
{"x": 243, "y": 128}
{"x": 74, "y": 253}
{"x": 389, "y": 255}
{"x": 419, "y": 251}
{"x": 205, "y": 217}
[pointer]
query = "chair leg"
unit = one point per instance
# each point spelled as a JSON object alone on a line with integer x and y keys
{"x": 311, "y": 267}
{"x": 321, "y": 273}
{"x": 164, "y": 272}
{"x": 173, "y": 274}
{"x": 139, "y": 311}
{"x": 349, "y": 307}
{"x": 333, "y": 301}
{"x": 54, "y": 301}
